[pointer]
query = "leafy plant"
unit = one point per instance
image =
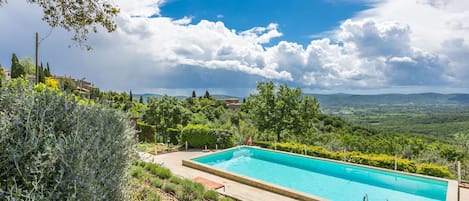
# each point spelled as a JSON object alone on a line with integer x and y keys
{"x": 54, "y": 148}
{"x": 211, "y": 195}
{"x": 169, "y": 188}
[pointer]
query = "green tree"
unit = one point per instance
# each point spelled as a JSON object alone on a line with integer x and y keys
{"x": 68, "y": 85}
{"x": 17, "y": 70}
{"x": 80, "y": 17}
{"x": 193, "y": 94}
{"x": 42, "y": 76}
{"x": 207, "y": 95}
{"x": 47, "y": 71}
{"x": 282, "y": 111}
{"x": 166, "y": 112}
{"x": 131, "y": 98}
{"x": 28, "y": 65}
{"x": 141, "y": 100}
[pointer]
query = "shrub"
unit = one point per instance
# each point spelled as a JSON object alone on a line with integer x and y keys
{"x": 153, "y": 196}
{"x": 377, "y": 160}
{"x": 136, "y": 172}
{"x": 156, "y": 182}
{"x": 198, "y": 136}
{"x": 161, "y": 172}
{"x": 226, "y": 199}
{"x": 211, "y": 195}
{"x": 169, "y": 188}
{"x": 176, "y": 180}
{"x": 434, "y": 170}
{"x": 173, "y": 135}
{"x": 147, "y": 132}
{"x": 53, "y": 148}
{"x": 189, "y": 191}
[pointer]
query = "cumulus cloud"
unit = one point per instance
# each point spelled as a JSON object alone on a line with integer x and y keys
{"x": 424, "y": 45}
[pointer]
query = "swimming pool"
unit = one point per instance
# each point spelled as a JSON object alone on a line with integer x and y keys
{"x": 320, "y": 179}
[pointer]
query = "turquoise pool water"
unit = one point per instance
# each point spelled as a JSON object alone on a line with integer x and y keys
{"x": 330, "y": 180}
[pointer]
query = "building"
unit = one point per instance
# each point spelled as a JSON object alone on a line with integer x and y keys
{"x": 7, "y": 74}
{"x": 232, "y": 103}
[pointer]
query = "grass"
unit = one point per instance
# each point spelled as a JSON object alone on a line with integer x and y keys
{"x": 211, "y": 195}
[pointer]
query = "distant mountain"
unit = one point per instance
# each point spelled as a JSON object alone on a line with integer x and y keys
{"x": 331, "y": 100}
{"x": 222, "y": 97}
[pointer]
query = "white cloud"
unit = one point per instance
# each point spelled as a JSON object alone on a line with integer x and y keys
{"x": 396, "y": 43}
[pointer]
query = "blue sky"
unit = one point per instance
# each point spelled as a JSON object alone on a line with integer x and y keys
{"x": 322, "y": 46}
{"x": 298, "y": 20}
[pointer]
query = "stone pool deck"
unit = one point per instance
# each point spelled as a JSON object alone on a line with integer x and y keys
{"x": 233, "y": 189}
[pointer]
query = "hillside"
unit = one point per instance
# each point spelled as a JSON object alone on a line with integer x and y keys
{"x": 350, "y": 100}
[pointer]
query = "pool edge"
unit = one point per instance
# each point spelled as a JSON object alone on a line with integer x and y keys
{"x": 252, "y": 182}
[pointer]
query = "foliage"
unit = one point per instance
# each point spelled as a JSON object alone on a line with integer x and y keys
{"x": 2, "y": 75}
{"x": 377, "y": 160}
{"x": 54, "y": 148}
{"x": 166, "y": 112}
{"x": 176, "y": 180}
{"x": 28, "y": 65}
{"x": 211, "y": 195}
{"x": 190, "y": 191}
{"x": 52, "y": 83}
{"x": 146, "y": 132}
{"x": 169, "y": 188}
{"x": 81, "y": 17}
{"x": 173, "y": 135}
{"x": 159, "y": 171}
{"x": 17, "y": 70}
{"x": 284, "y": 111}
{"x": 200, "y": 136}
{"x": 68, "y": 85}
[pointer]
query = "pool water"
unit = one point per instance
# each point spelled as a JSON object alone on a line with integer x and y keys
{"x": 331, "y": 180}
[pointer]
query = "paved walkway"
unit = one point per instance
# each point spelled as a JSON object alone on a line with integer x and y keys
{"x": 237, "y": 190}
{"x": 234, "y": 189}
{"x": 464, "y": 194}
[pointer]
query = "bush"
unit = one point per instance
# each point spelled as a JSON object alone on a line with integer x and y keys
{"x": 156, "y": 182}
{"x": 189, "y": 191}
{"x": 173, "y": 135}
{"x": 197, "y": 136}
{"x": 176, "y": 180}
{"x": 434, "y": 170}
{"x": 226, "y": 199}
{"x": 53, "y": 148}
{"x": 169, "y": 188}
{"x": 147, "y": 132}
{"x": 377, "y": 160}
{"x": 161, "y": 172}
{"x": 211, "y": 195}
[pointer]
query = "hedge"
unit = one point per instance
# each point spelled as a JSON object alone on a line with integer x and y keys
{"x": 199, "y": 136}
{"x": 53, "y": 148}
{"x": 146, "y": 132}
{"x": 376, "y": 160}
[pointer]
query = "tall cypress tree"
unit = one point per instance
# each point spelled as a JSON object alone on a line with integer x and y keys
{"x": 47, "y": 71}
{"x": 207, "y": 95}
{"x": 131, "y": 96}
{"x": 193, "y": 94}
{"x": 141, "y": 100}
{"x": 41, "y": 76}
{"x": 17, "y": 70}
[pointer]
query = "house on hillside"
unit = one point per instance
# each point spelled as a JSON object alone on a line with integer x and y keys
{"x": 232, "y": 103}
{"x": 7, "y": 74}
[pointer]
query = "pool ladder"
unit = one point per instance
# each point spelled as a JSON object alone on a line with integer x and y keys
{"x": 365, "y": 198}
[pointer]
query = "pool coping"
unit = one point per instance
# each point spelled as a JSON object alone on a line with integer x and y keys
{"x": 451, "y": 191}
